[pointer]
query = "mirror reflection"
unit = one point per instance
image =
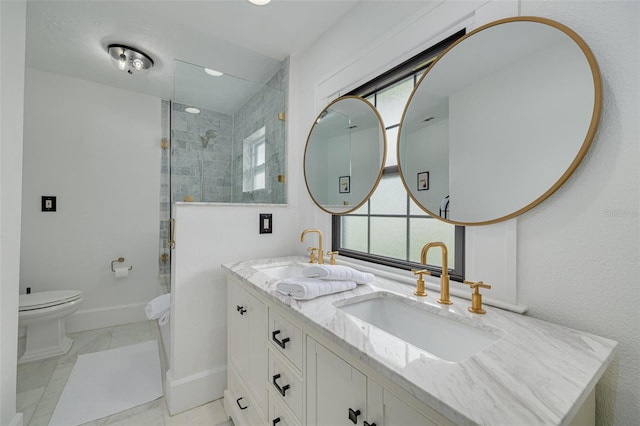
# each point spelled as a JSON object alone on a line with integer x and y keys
{"x": 344, "y": 155}
{"x": 499, "y": 121}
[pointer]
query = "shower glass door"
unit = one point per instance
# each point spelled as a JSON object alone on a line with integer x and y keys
{"x": 165, "y": 199}
{"x": 228, "y": 138}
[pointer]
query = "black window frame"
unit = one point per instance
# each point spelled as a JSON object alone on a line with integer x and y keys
{"x": 414, "y": 66}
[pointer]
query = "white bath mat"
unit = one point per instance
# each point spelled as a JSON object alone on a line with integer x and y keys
{"x": 108, "y": 382}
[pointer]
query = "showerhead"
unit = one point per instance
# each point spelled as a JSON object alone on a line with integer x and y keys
{"x": 210, "y": 134}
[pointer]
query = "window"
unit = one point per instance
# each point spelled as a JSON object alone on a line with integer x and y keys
{"x": 254, "y": 162}
{"x": 390, "y": 229}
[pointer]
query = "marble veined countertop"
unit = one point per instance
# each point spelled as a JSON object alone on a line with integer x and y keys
{"x": 534, "y": 373}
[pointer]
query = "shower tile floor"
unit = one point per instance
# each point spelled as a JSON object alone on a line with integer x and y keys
{"x": 40, "y": 383}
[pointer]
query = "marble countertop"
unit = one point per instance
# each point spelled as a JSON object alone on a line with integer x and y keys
{"x": 535, "y": 372}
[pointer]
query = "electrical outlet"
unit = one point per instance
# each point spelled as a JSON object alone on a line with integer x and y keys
{"x": 48, "y": 203}
{"x": 266, "y": 223}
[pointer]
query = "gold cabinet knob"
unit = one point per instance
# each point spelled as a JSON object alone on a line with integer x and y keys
{"x": 332, "y": 261}
{"x": 420, "y": 282}
{"x": 476, "y": 297}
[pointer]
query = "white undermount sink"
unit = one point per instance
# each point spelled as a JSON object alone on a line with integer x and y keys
{"x": 281, "y": 272}
{"x": 445, "y": 338}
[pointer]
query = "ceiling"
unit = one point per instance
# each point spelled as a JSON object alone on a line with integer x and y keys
{"x": 233, "y": 36}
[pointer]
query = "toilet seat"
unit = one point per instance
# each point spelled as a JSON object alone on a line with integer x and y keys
{"x": 47, "y": 299}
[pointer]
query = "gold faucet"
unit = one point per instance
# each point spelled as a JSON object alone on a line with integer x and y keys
{"x": 420, "y": 281}
{"x": 476, "y": 297}
{"x": 444, "y": 277}
{"x": 320, "y": 253}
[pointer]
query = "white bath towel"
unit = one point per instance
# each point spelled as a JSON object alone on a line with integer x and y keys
{"x": 304, "y": 288}
{"x": 164, "y": 318}
{"x": 158, "y": 306}
{"x": 338, "y": 272}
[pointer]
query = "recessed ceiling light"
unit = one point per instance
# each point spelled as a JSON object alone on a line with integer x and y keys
{"x": 260, "y": 2}
{"x": 213, "y": 73}
{"x": 192, "y": 110}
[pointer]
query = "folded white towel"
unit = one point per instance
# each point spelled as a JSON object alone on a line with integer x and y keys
{"x": 158, "y": 306}
{"x": 304, "y": 288}
{"x": 338, "y": 272}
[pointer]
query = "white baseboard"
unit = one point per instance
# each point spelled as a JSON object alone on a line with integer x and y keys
{"x": 92, "y": 319}
{"x": 17, "y": 420}
{"x": 193, "y": 391}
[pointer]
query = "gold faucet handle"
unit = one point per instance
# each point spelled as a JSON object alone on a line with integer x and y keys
{"x": 476, "y": 285}
{"x": 420, "y": 272}
{"x": 312, "y": 254}
{"x": 476, "y": 297}
{"x": 420, "y": 282}
{"x": 332, "y": 261}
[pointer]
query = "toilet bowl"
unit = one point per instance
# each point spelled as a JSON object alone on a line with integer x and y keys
{"x": 44, "y": 313}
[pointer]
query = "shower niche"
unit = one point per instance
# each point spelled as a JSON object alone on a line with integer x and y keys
{"x": 227, "y": 137}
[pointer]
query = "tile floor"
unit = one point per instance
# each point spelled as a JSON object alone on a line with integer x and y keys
{"x": 40, "y": 383}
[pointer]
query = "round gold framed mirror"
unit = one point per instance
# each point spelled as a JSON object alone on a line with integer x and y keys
{"x": 499, "y": 121}
{"x": 344, "y": 155}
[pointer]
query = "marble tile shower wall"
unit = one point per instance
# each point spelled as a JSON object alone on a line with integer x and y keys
{"x": 198, "y": 171}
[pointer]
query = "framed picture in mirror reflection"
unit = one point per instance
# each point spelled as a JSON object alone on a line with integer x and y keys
{"x": 423, "y": 181}
{"x": 344, "y": 184}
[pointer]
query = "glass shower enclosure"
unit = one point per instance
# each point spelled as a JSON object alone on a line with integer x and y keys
{"x": 225, "y": 142}
{"x": 227, "y": 138}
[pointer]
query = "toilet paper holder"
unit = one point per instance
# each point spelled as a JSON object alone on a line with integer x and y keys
{"x": 120, "y": 259}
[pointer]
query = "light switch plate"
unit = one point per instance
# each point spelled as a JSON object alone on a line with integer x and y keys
{"x": 48, "y": 203}
{"x": 266, "y": 223}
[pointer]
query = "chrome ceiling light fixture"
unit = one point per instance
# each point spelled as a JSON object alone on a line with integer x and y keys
{"x": 130, "y": 60}
{"x": 260, "y": 2}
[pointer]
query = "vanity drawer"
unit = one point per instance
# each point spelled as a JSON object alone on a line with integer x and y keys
{"x": 279, "y": 414}
{"x": 238, "y": 401}
{"x": 285, "y": 384}
{"x": 286, "y": 338}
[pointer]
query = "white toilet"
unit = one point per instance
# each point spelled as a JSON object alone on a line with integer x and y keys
{"x": 44, "y": 314}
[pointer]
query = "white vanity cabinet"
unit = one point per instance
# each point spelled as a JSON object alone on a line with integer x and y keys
{"x": 246, "y": 395}
{"x": 336, "y": 392}
{"x": 311, "y": 363}
{"x": 280, "y": 373}
{"x": 339, "y": 394}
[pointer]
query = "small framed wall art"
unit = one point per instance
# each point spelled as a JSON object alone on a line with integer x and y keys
{"x": 344, "y": 183}
{"x": 423, "y": 181}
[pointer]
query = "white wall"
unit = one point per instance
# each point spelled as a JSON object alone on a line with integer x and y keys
{"x": 95, "y": 148}
{"x": 207, "y": 236}
{"x": 578, "y": 251}
{"x": 12, "y": 54}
